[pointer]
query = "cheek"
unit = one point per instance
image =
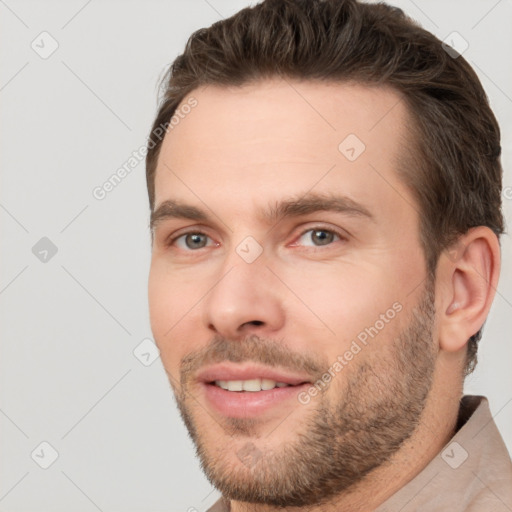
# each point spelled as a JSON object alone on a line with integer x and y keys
{"x": 341, "y": 301}
{"x": 172, "y": 294}
{"x": 161, "y": 302}
{"x": 172, "y": 310}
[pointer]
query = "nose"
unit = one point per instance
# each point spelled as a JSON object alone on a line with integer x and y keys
{"x": 244, "y": 300}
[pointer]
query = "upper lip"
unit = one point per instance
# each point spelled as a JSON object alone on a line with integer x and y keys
{"x": 249, "y": 371}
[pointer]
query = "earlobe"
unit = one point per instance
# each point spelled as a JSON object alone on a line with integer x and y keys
{"x": 469, "y": 283}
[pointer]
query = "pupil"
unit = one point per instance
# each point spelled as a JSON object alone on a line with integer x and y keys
{"x": 195, "y": 241}
{"x": 322, "y": 237}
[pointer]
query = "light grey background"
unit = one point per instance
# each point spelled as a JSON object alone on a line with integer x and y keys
{"x": 70, "y": 325}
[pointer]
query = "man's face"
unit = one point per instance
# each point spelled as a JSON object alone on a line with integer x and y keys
{"x": 288, "y": 292}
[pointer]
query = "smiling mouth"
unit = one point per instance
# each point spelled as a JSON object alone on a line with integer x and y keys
{"x": 250, "y": 390}
{"x": 250, "y": 385}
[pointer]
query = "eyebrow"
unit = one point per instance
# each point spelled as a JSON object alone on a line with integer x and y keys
{"x": 312, "y": 203}
{"x": 172, "y": 209}
{"x": 294, "y": 207}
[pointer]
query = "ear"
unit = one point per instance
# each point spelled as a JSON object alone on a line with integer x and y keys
{"x": 467, "y": 276}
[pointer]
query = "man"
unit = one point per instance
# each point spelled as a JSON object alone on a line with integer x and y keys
{"x": 324, "y": 182}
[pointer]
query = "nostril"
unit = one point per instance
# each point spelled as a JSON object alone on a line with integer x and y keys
{"x": 255, "y": 322}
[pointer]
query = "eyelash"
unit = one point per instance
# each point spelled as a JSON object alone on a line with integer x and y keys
{"x": 327, "y": 230}
{"x": 171, "y": 240}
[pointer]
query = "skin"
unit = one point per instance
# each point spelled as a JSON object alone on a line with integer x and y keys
{"x": 238, "y": 153}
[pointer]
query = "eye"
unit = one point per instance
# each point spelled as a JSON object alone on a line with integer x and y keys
{"x": 192, "y": 241}
{"x": 318, "y": 237}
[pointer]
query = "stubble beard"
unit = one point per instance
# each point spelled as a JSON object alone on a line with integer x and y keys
{"x": 340, "y": 442}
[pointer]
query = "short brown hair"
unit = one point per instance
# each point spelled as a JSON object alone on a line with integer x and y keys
{"x": 454, "y": 171}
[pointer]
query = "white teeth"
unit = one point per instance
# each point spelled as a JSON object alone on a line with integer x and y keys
{"x": 235, "y": 385}
{"x": 267, "y": 384}
{"x": 249, "y": 385}
{"x": 252, "y": 385}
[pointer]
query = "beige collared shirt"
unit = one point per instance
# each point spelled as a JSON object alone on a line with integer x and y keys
{"x": 473, "y": 472}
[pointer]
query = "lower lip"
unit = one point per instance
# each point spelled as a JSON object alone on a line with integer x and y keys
{"x": 249, "y": 404}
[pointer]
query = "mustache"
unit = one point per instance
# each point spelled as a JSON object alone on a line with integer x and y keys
{"x": 251, "y": 348}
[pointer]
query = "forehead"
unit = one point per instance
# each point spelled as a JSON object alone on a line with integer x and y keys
{"x": 279, "y": 136}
